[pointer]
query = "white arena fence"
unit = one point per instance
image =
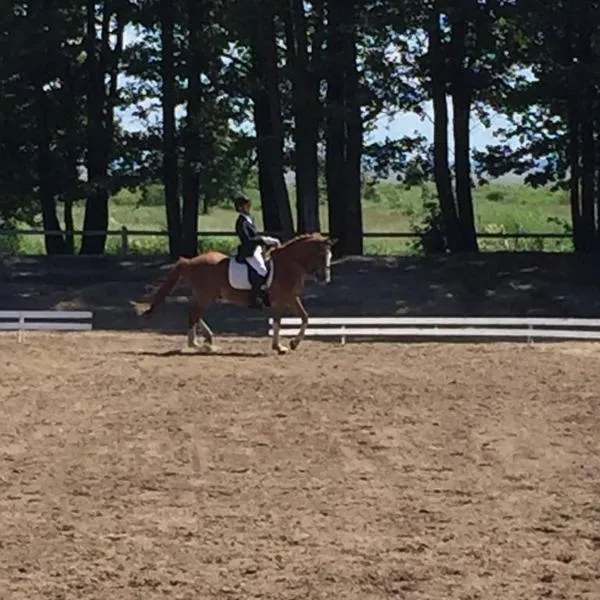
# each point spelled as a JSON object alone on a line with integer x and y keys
{"x": 527, "y": 328}
{"x": 45, "y": 320}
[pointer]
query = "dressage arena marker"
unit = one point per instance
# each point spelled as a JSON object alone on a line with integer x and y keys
{"x": 530, "y": 328}
{"x": 46, "y": 320}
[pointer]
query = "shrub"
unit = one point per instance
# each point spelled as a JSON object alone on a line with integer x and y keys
{"x": 10, "y": 242}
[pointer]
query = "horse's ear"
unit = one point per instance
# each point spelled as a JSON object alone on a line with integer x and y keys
{"x": 332, "y": 242}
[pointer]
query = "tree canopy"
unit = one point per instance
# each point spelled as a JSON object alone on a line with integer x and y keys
{"x": 223, "y": 90}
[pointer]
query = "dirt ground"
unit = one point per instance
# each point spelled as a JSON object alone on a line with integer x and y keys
{"x": 130, "y": 469}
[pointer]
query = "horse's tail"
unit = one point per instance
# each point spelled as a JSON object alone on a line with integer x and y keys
{"x": 160, "y": 293}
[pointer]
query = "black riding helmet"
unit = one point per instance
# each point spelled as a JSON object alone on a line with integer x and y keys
{"x": 240, "y": 200}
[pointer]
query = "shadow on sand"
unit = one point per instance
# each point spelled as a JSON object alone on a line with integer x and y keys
{"x": 192, "y": 353}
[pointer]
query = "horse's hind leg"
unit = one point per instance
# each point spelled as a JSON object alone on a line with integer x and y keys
{"x": 195, "y": 320}
{"x": 206, "y": 333}
{"x": 193, "y": 316}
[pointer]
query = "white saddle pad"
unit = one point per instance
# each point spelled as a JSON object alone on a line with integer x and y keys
{"x": 238, "y": 275}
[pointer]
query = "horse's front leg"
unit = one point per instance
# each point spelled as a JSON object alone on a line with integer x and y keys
{"x": 276, "y": 345}
{"x": 301, "y": 312}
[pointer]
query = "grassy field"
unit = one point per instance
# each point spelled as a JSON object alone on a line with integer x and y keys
{"x": 387, "y": 207}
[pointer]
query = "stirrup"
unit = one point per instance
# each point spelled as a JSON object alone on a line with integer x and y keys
{"x": 257, "y": 302}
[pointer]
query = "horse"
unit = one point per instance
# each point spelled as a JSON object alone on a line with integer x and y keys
{"x": 215, "y": 277}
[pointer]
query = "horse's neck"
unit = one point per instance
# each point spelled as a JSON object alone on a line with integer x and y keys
{"x": 294, "y": 253}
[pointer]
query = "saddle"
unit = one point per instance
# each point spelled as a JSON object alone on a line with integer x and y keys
{"x": 240, "y": 273}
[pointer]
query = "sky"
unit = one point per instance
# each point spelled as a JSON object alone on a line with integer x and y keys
{"x": 393, "y": 127}
{"x": 408, "y": 123}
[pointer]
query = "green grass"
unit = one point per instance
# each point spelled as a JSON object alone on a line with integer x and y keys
{"x": 387, "y": 207}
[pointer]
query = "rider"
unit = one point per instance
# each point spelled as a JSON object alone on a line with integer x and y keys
{"x": 250, "y": 250}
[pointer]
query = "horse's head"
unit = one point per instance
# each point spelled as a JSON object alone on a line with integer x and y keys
{"x": 312, "y": 252}
{"x": 321, "y": 262}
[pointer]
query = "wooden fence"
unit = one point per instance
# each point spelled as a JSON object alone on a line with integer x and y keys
{"x": 124, "y": 234}
{"x": 45, "y": 320}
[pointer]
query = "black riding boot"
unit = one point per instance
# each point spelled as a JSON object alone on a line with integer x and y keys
{"x": 260, "y": 296}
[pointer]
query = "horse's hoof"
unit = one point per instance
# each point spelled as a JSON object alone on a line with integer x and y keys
{"x": 281, "y": 350}
{"x": 203, "y": 348}
{"x": 294, "y": 344}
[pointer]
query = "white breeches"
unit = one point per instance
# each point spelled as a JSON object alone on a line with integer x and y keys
{"x": 257, "y": 262}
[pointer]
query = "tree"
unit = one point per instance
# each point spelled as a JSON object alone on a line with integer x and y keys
{"x": 170, "y": 169}
{"x": 195, "y": 122}
{"x": 180, "y": 62}
{"x": 268, "y": 122}
{"x": 102, "y": 64}
{"x": 441, "y": 165}
{"x": 553, "y": 109}
{"x": 313, "y": 77}
{"x": 42, "y": 103}
{"x": 17, "y": 120}
{"x": 344, "y": 128}
{"x": 304, "y": 66}
{"x": 465, "y": 24}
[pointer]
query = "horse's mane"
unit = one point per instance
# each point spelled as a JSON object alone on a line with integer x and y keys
{"x": 301, "y": 238}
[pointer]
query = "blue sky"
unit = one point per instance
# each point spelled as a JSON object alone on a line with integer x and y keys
{"x": 392, "y": 127}
{"x": 407, "y": 123}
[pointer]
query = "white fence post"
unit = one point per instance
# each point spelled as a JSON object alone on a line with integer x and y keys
{"x": 21, "y": 327}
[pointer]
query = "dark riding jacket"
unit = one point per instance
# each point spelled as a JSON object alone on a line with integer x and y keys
{"x": 248, "y": 235}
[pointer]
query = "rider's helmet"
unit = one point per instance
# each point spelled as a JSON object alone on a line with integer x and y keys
{"x": 240, "y": 200}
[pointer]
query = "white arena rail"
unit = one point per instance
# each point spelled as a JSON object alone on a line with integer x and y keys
{"x": 529, "y": 328}
{"x": 46, "y": 320}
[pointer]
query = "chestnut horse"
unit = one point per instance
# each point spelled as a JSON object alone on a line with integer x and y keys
{"x": 208, "y": 277}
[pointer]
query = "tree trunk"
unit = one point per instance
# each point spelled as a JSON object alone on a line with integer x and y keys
{"x": 170, "y": 160}
{"x": 588, "y": 184}
{"x": 54, "y": 241}
{"x": 441, "y": 167}
{"x": 335, "y": 128}
{"x": 277, "y": 214}
{"x": 354, "y": 140}
{"x": 192, "y": 133}
{"x": 574, "y": 147}
{"x": 344, "y": 130}
{"x": 69, "y": 227}
{"x": 462, "y": 91}
{"x": 305, "y": 101}
{"x": 596, "y": 176}
{"x": 71, "y": 193}
{"x": 96, "y": 208}
{"x": 100, "y": 113}
{"x": 588, "y": 143}
{"x": 464, "y": 193}
{"x": 575, "y": 170}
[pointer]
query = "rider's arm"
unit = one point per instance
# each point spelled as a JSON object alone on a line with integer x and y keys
{"x": 270, "y": 241}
